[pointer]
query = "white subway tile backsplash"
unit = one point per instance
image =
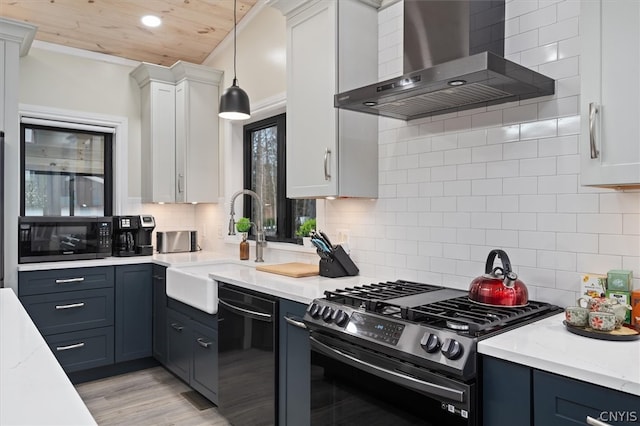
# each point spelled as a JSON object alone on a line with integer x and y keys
{"x": 471, "y": 171}
{"x": 538, "y": 167}
{"x": 520, "y": 185}
{"x": 577, "y": 242}
{"x": 627, "y": 245}
{"x": 630, "y": 224}
{"x": 457, "y": 156}
{"x": 520, "y": 221}
{"x": 559, "y": 31}
{"x": 455, "y": 186}
{"x": 560, "y": 184}
{"x": 539, "y": 18}
{"x": 597, "y": 263}
{"x": 600, "y": 223}
{"x": 502, "y": 238}
{"x": 559, "y": 222}
{"x": 537, "y": 240}
{"x": 483, "y": 154}
{"x": 486, "y": 187}
{"x": 520, "y": 42}
{"x": 517, "y": 150}
{"x": 562, "y": 145}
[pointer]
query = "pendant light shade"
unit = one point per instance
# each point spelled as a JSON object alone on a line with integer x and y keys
{"x": 234, "y": 102}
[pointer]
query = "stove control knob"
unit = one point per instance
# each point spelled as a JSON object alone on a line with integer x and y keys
{"x": 430, "y": 342}
{"x": 340, "y": 317}
{"x": 452, "y": 349}
{"x": 327, "y": 314}
{"x": 314, "y": 310}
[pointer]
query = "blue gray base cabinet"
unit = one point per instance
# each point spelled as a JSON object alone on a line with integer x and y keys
{"x": 514, "y": 394}
{"x": 192, "y": 347}
{"x": 133, "y": 312}
{"x": 159, "y": 313}
{"x": 295, "y": 365}
{"x": 91, "y": 317}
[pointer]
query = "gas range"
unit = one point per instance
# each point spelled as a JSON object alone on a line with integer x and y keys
{"x": 431, "y": 326}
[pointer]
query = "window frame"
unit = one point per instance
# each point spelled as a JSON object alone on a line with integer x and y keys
{"x": 285, "y": 205}
{"x": 109, "y": 170}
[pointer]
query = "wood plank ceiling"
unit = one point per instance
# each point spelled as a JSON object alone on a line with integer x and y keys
{"x": 190, "y": 29}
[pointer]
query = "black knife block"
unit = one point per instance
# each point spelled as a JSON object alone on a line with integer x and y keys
{"x": 337, "y": 264}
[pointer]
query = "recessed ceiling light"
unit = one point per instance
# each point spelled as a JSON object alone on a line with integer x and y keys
{"x": 151, "y": 21}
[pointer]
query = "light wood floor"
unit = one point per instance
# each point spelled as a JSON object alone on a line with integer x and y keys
{"x": 146, "y": 397}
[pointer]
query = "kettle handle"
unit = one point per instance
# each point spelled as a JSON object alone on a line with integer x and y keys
{"x": 506, "y": 264}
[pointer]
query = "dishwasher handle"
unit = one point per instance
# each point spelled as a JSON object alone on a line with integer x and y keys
{"x": 393, "y": 376}
{"x": 260, "y": 316}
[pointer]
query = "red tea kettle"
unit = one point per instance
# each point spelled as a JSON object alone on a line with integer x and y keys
{"x": 499, "y": 286}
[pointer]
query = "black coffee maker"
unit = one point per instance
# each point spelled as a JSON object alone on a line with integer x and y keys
{"x": 132, "y": 235}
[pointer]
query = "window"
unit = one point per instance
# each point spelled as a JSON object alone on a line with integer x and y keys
{"x": 65, "y": 172}
{"x": 265, "y": 173}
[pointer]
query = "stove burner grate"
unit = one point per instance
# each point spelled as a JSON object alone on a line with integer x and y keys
{"x": 372, "y": 296}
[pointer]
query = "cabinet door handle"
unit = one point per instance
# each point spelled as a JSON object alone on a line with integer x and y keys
{"x": 70, "y": 280}
{"x": 158, "y": 277}
{"x": 71, "y": 306}
{"x": 176, "y": 326}
{"x": 203, "y": 343}
{"x": 327, "y": 176}
{"x": 295, "y": 323}
{"x": 66, "y": 348}
{"x": 593, "y": 110}
{"x": 595, "y": 422}
{"x": 180, "y": 177}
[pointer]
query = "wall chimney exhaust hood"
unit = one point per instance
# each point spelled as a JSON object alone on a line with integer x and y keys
{"x": 453, "y": 60}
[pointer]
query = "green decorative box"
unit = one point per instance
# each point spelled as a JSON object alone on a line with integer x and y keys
{"x": 619, "y": 280}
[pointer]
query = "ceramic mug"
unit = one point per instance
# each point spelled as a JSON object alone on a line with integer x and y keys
{"x": 576, "y": 315}
{"x": 602, "y": 321}
{"x": 604, "y": 304}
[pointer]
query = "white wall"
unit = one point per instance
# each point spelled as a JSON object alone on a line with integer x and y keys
{"x": 452, "y": 187}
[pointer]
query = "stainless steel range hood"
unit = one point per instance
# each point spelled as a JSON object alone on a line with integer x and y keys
{"x": 453, "y": 60}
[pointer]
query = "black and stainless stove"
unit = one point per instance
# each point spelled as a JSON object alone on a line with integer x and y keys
{"x": 415, "y": 335}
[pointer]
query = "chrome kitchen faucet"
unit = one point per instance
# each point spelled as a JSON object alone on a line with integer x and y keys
{"x": 259, "y": 231}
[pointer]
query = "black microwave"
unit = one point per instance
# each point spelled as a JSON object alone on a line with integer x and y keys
{"x": 54, "y": 238}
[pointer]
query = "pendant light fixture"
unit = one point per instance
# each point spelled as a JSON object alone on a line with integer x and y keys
{"x": 234, "y": 102}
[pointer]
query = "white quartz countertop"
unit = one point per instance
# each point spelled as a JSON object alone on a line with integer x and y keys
{"x": 548, "y": 346}
{"x": 34, "y": 390}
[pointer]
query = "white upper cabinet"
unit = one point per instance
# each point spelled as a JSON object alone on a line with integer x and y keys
{"x": 610, "y": 93}
{"x": 179, "y": 120}
{"x": 332, "y": 46}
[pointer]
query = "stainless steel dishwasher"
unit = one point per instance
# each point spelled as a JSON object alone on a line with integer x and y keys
{"x": 247, "y": 347}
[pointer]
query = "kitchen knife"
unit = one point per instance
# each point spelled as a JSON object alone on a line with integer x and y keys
{"x": 326, "y": 240}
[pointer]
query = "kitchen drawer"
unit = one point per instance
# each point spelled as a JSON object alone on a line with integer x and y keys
{"x": 70, "y": 311}
{"x": 80, "y": 350}
{"x": 53, "y": 281}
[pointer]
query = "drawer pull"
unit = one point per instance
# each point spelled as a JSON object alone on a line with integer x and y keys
{"x": 203, "y": 343}
{"x": 71, "y": 306}
{"x": 66, "y": 348}
{"x": 70, "y": 280}
{"x": 594, "y": 422}
{"x": 176, "y": 326}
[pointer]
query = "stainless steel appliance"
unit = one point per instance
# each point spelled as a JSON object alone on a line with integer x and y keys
{"x": 247, "y": 351}
{"x": 176, "y": 241}
{"x": 53, "y": 238}
{"x": 132, "y": 235}
{"x": 453, "y": 60}
{"x": 402, "y": 353}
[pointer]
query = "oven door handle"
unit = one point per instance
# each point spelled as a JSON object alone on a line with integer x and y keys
{"x": 393, "y": 376}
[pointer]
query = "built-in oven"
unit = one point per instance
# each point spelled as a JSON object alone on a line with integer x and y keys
{"x": 353, "y": 385}
{"x": 55, "y": 238}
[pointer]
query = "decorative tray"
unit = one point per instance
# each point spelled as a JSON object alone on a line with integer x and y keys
{"x": 624, "y": 333}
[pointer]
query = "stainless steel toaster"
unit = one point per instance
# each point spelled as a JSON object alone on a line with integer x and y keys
{"x": 177, "y": 241}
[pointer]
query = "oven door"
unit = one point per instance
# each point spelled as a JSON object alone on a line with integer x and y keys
{"x": 351, "y": 385}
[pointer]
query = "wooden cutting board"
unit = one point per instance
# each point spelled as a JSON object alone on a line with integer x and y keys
{"x": 294, "y": 269}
